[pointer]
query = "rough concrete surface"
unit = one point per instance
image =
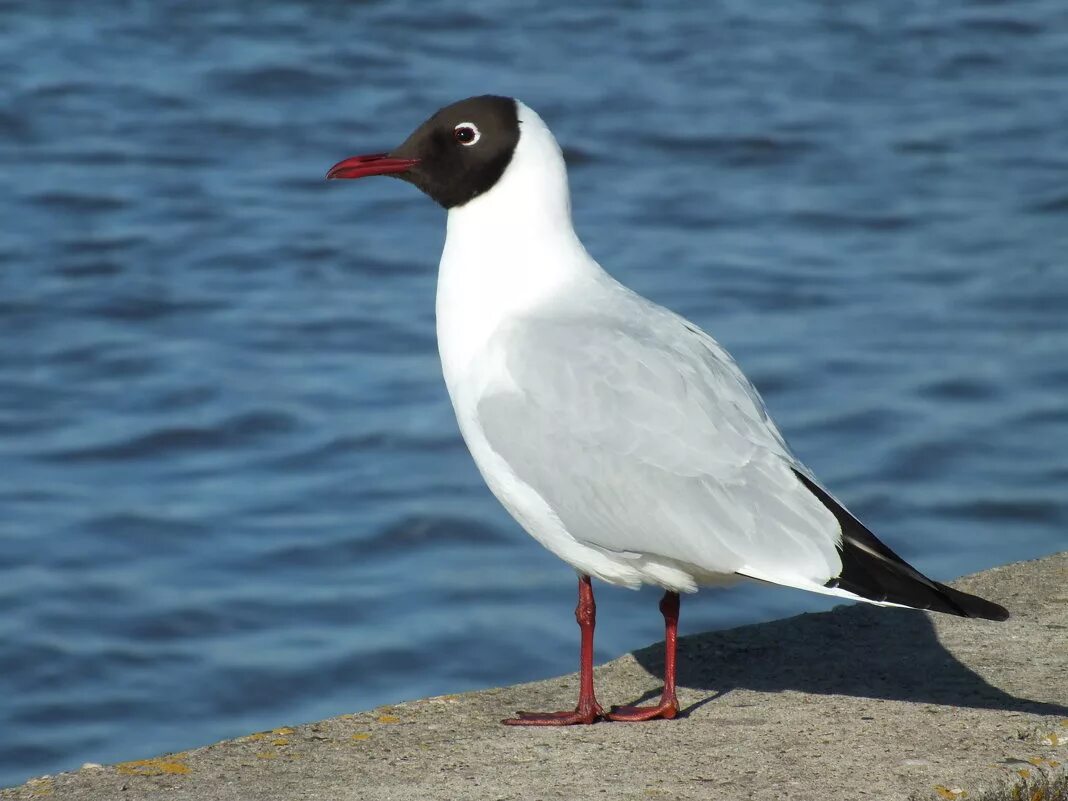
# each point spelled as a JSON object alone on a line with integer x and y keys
{"x": 859, "y": 702}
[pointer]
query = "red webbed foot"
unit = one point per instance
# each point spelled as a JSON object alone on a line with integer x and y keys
{"x": 667, "y": 709}
{"x": 583, "y": 715}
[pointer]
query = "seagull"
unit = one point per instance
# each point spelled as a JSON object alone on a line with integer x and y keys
{"x": 620, "y": 435}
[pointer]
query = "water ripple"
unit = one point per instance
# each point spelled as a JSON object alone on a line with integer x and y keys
{"x": 239, "y": 431}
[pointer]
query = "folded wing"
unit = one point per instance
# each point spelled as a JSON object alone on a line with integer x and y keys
{"x": 649, "y": 441}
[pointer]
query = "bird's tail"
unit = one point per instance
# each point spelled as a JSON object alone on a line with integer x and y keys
{"x": 873, "y": 572}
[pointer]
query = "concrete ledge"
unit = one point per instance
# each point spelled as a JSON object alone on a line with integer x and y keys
{"x": 859, "y": 702}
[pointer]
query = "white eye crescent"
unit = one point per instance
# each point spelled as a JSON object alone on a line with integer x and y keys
{"x": 466, "y": 133}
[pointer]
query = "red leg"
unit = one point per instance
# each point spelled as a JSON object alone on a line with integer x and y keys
{"x": 588, "y": 710}
{"x": 669, "y": 704}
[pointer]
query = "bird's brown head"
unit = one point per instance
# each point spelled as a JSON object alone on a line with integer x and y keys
{"x": 453, "y": 157}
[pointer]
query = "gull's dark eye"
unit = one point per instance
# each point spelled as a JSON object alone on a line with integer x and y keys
{"x": 466, "y": 133}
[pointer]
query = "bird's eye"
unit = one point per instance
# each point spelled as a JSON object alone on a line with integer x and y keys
{"x": 466, "y": 133}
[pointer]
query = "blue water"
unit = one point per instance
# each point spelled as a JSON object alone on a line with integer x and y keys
{"x": 233, "y": 494}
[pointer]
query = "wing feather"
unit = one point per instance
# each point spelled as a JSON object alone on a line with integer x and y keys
{"x": 649, "y": 440}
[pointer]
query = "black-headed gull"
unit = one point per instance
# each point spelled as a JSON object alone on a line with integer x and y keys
{"x": 619, "y": 435}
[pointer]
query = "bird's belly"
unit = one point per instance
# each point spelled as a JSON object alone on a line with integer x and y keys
{"x": 533, "y": 513}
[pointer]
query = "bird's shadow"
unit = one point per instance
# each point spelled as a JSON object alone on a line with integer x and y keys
{"x": 861, "y": 651}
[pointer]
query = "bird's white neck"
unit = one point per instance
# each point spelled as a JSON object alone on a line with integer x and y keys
{"x": 508, "y": 250}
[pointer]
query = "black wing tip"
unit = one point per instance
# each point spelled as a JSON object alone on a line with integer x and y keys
{"x": 872, "y": 570}
{"x": 973, "y": 605}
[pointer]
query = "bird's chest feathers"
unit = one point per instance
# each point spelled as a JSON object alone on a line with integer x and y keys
{"x": 473, "y": 301}
{"x": 483, "y": 286}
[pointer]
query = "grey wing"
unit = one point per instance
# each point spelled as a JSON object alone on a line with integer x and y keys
{"x": 648, "y": 440}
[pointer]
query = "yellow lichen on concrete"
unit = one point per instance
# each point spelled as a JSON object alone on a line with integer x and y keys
{"x": 40, "y": 788}
{"x": 267, "y": 755}
{"x": 280, "y": 741}
{"x": 388, "y": 719}
{"x": 950, "y": 793}
{"x": 1040, "y": 762}
{"x": 361, "y": 736}
{"x": 282, "y": 730}
{"x": 160, "y": 766}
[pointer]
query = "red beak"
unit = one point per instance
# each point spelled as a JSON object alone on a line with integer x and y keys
{"x": 372, "y": 164}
